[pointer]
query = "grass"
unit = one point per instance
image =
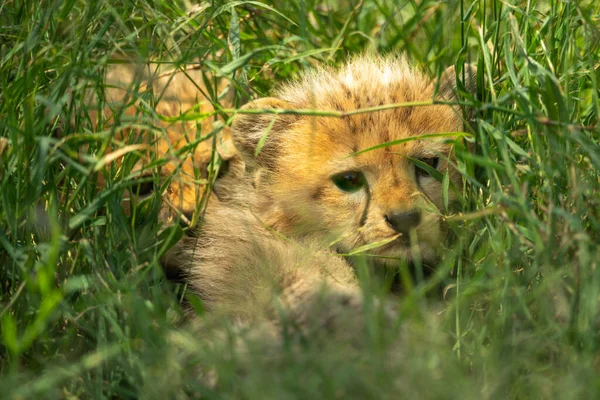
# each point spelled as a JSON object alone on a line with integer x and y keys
{"x": 86, "y": 311}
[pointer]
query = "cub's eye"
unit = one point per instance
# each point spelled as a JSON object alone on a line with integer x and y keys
{"x": 349, "y": 181}
{"x": 426, "y": 166}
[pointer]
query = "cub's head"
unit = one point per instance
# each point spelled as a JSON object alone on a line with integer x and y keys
{"x": 313, "y": 178}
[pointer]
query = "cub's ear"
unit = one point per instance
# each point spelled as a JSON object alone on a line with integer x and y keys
{"x": 451, "y": 83}
{"x": 256, "y": 134}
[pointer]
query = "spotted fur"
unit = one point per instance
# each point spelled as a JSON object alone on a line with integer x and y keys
{"x": 177, "y": 92}
{"x": 296, "y": 193}
{"x": 275, "y": 240}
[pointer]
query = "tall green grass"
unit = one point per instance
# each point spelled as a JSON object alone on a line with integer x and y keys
{"x": 86, "y": 311}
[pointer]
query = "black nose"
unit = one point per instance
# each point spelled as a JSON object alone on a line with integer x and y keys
{"x": 404, "y": 221}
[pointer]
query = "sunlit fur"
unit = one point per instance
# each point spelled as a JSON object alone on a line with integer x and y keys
{"x": 275, "y": 238}
{"x": 177, "y": 93}
{"x": 296, "y": 195}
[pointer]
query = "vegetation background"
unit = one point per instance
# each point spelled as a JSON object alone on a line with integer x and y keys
{"x": 84, "y": 305}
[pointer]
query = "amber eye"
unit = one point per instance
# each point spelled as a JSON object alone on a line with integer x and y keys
{"x": 426, "y": 166}
{"x": 349, "y": 181}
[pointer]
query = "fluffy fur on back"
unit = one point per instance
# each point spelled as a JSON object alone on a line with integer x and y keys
{"x": 240, "y": 268}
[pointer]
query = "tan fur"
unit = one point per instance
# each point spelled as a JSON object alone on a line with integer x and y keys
{"x": 296, "y": 194}
{"x": 178, "y": 91}
{"x": 274, "y": 242}
{"x": 3, "y": 145}
{"x": 237, "y": 266}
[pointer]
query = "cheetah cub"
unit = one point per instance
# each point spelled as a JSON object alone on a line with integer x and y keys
{"x": 313, "y": 195}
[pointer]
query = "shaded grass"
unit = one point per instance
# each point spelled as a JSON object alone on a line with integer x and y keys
{"x": 86, "y": 312}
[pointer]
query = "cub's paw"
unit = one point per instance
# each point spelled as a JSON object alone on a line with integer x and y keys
{"x": 340, "y": 314}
